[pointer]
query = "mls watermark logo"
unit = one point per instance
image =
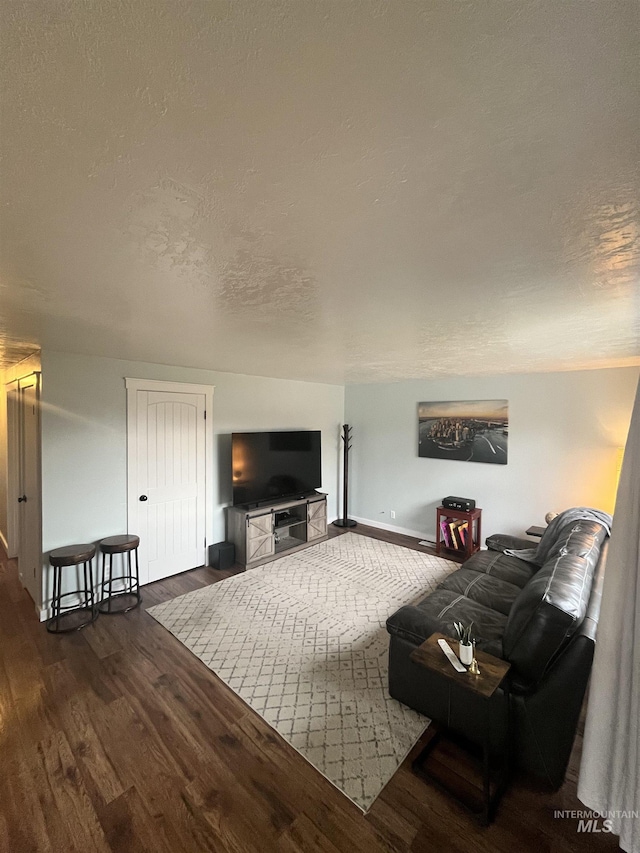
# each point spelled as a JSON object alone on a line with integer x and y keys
{"x": 595, "y": 824}
{"x": 590, "y": 821}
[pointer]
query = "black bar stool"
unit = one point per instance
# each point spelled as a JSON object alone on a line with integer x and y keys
{"x": 127, "y": 596}
{"x": 70, "y": 617}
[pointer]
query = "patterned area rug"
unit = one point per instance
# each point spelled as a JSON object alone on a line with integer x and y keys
{"x": 303, "y": 641}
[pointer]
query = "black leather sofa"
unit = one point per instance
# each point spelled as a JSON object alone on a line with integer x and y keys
{"x": 540, "y": 616}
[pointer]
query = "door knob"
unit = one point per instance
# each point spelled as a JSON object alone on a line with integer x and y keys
{"x": 22, "y": 500}
{"x": 142, "y": 498}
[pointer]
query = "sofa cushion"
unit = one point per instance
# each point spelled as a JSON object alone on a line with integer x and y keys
{"x": 438, "y": 612}
{"x": 553, "y": 604}
{"x": 483, "y": 588}
{"x": 501, "y": 566}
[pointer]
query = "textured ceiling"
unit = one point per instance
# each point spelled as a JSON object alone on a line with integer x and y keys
{"x": 334, "y": 191}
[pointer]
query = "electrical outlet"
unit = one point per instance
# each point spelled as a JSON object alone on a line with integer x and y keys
{"x": 393, "y": 515}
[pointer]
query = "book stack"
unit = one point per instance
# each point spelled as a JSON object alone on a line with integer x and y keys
{"x": 454, "y": 533}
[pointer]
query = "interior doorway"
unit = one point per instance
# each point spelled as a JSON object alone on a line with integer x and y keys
{"x": 24, "y": 481}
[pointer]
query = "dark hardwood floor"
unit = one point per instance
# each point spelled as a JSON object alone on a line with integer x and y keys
{"x": 117, "y": 738}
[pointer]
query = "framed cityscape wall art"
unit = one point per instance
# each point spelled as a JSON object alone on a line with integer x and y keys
{"x": 465, "y": 430}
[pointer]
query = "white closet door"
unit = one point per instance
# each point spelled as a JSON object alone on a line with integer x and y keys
{"x": 30, "y": 552}
{"x": 167, "y": 482}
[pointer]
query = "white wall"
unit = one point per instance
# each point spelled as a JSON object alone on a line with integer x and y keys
{"x": 84, "y": 438}
{"x": 564, "y": 433}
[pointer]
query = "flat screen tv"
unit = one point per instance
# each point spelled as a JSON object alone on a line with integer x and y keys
{"x": 271, "y": 466}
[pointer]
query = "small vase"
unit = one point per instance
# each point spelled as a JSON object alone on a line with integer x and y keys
{"x": 465, "y": 651}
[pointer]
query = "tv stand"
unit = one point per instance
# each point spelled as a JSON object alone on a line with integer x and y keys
{"x": 269, "y": 531}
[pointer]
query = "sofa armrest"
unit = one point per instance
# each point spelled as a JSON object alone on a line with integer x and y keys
{"x": 545, "y": 719}
{"x": 412, "y": 624}
{"x": 502, "y": 542}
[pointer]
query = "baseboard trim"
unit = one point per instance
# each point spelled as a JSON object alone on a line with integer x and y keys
{"x": 392, "y": 528}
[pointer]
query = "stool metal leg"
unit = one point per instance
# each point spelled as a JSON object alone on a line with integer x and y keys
{"x": 138, "y": 578}
{"x": 134, "y": 582}
{"x": 86, "y": 586}
{"x": 89, "y": 602}
{"x": 55, "y": 599}
{"x": 102, "y": 577}
{"x": 58, "y": 601}
{"x": 92, "y": 594}
{"x": 107, "y": 583}
{"x": 110, "y": 581}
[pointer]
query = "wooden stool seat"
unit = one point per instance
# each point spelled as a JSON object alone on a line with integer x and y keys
{"x": 72, "y": 555}
{"x": 64, "y": 618}
{"x": 119, "y": 544}
{"x": 120, "y": 593}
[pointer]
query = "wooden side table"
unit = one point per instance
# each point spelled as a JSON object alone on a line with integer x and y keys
{"x": 473, "y": 518}
{"x": 536, "y": 531}
{"x": 483, "y": 687}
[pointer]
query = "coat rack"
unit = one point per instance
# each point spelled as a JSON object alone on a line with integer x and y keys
{"x": 346, "y": 438}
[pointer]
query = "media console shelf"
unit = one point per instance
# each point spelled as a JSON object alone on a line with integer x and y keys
{"x": 271, "y": 530}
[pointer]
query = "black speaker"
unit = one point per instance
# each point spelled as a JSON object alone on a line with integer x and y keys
{"x": 222, "y": 555}
{"x": 465, "y": 504}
